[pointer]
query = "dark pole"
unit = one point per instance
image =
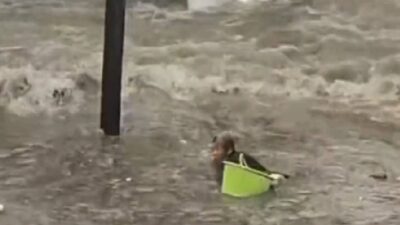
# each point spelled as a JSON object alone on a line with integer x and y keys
{"x": 112, "y": 67}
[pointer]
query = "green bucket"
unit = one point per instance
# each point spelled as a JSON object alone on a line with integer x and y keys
{"x": 242, "y": 181}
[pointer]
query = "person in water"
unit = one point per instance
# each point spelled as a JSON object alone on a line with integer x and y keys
{"x": 223, "y": 149}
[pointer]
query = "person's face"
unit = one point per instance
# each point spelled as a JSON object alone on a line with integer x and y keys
{"x": 217, "y": 153}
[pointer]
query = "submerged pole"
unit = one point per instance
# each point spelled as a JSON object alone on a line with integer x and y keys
{"x": 112, "y": 67}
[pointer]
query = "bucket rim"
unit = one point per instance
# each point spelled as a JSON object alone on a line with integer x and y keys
{"x": 266, "y": 175}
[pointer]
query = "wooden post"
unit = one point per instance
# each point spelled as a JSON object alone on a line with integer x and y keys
{"x": 112, "y": 67}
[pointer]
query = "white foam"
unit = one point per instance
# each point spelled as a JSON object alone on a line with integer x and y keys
{"x": 345, "y": 60}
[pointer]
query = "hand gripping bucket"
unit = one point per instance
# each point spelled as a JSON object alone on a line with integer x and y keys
{"x": 241, "y": 181}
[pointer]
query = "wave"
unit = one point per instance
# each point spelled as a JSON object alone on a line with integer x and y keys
{"x": 314, "y": 49}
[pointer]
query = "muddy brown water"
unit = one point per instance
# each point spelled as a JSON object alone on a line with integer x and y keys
{"x": 310, "y": 91}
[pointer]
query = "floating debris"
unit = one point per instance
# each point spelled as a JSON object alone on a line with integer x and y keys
{"x": 380, "y": 177}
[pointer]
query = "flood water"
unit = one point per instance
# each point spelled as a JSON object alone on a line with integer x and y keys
{"x": 311, "y": 88}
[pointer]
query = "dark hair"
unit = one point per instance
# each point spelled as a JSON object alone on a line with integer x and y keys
{"x": 226, "y": 140}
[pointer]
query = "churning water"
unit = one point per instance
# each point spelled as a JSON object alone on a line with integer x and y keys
{"x": 311, "y": 87}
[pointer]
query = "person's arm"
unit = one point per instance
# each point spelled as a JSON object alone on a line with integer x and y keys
{"x": 254, "y": 164}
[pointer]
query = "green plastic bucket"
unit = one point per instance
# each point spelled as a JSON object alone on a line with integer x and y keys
{"x": 242, "y": 181}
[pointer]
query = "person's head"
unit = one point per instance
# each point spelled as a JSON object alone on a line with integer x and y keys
{"x": 222, "y": 145}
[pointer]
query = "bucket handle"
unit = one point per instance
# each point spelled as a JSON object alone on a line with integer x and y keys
{"x": 242, "y": 161}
